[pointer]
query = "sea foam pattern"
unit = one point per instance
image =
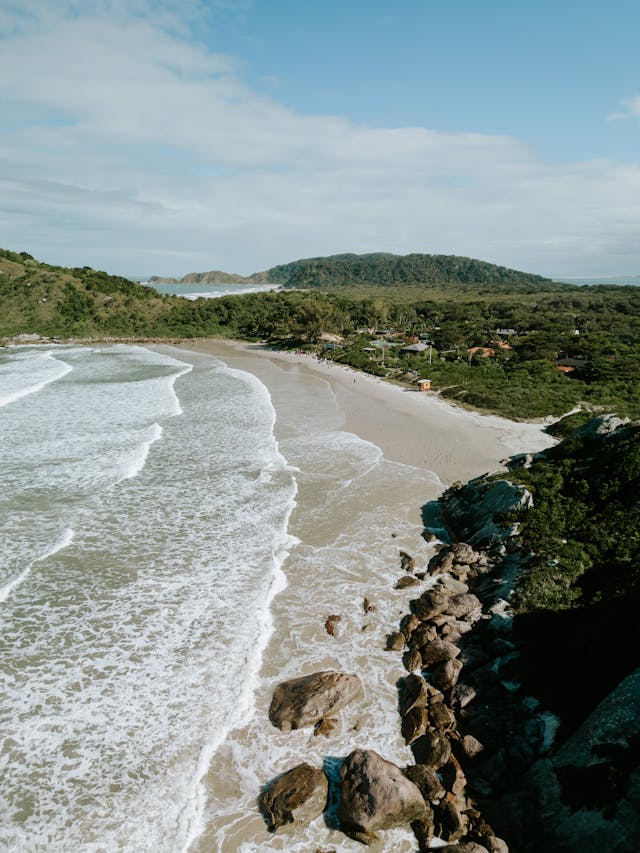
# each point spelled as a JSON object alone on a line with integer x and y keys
{"x": 144, "y": 521}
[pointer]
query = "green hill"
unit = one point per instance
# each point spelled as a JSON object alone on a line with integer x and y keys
{"x": 386, "y": 270}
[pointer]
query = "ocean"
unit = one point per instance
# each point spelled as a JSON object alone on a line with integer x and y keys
{"x": 165, "y": 562}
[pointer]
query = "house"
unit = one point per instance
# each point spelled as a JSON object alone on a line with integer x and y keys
{"x": 506, "y": 333}
{"x": 412, "y": 349}
{"x": 424, "y": 385}
{"x": 568, "y": 365}
{"x": 482, "y": 352}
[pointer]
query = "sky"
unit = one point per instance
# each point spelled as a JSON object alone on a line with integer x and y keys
{"x": 161, "y": 137}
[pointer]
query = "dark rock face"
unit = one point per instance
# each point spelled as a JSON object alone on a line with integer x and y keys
{"x": 376, "y": 795}
{"x": 298, "y": 796}
{"x": 304, "y": 701}
{"x": 407, "y": 562}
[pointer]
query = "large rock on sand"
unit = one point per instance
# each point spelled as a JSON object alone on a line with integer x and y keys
{"x": 376, "y": 795}
{"x": 298, "y": 796}
{"x": 307, "y": 700}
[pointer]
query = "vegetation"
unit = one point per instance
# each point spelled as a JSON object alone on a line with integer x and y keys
{"x": 577, "y": 599}
{"x": 516, "y": 375}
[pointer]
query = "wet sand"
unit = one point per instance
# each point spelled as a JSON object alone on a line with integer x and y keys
{"x": 367, "y": 456}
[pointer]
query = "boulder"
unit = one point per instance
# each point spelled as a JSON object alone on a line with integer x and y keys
{"x": 407, "y": 562}
{"x": 413, "y": 693}
{"x": 376, "y": 795}
{"x": 464, "y": 553}
{"x": 495, "y": 844}
{"x": 412, "y": 660}
{"x": 436, "y": 651}
{"x": 445, "y": 675}
{"x": 452, "y": 585}
{"x": 396, "y": 641}
{"x": 424, "y": 633}
{"x": 414, "y": 724}
{"x": 465, "y": 606}
{"x": 449, "y": 823}
{"x": 368, "y": 606}
{"x": 408, "y": 625}
{"x": 431, "y": 603}
{"x": 432, "y": 749}
{"x": 441, "y": 716}
{"x": 470, "y": 747}
{"x": 304, "y": 701}
{"x": 426, "y": 780}
{"x": 330, "y": 624}
{"x": 423, "y": 831}
{"x": 407, "y": 581}
{"x": 466, "y": 847}
{"x": 297, "y": 796}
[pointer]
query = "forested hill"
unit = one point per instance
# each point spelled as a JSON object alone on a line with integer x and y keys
{"x": 386, "y": 270}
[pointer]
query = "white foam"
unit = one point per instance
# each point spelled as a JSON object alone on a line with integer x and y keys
{"x": 137, "y": 462}
{"x": 20, "y": 375}
{"x": 63, "y": 542}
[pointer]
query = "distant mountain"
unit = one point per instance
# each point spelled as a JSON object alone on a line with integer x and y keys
{"x": 211, "y": 277}
{"x": 387, "y": 270}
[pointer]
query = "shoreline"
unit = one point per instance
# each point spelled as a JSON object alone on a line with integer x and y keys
{"x": 391, "y": 416}
{"x": 368, "y": 455}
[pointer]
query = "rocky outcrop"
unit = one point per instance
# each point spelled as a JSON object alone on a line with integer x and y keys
{"x": 305, "y": 701}
{"x": 586, "y": 796}
{"x": 376, "y": 795}
{"x": 473, "y": 512}
{"x": 297, "y": 796}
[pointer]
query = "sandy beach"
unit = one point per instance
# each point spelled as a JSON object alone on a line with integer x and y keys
{"x": 412, "y": 428}
{"x": 367, "y": 455}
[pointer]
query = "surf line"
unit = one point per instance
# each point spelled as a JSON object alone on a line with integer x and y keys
{"x": 63, "y": 542}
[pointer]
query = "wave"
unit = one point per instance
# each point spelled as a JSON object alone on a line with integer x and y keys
{"x": 62, "y": 369}
{"x": 64, "y": 541}
{"x": 193, "y": 814}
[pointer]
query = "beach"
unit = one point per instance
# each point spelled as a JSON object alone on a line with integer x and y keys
{"x": 367, "y": 455}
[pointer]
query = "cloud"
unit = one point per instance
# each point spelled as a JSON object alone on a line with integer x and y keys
{"x": 630, "y": 109}
{"x": 130, "y": 145}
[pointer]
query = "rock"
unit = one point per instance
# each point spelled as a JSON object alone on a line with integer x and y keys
{"x": 495, "y": 844}
{"x": 424, "y": 633}
{"x": 413, "y": 693}
{"x": 445, "y": 675}
{"x": 423, "y": 831}
{"x": 426, "y": 780}
{"x": 299, "y": 796}
{"x": 463, "y": 694}
{"x": 449, "y": 823}
{"x": 464, "y": 553}
{"x": 408, "y": 563}
{"x": 304, "y": 701}
{"x": 367, "y": 606}
{"x": 431, "y": 749}
{"x": 431, "y": 603}
{"x": 441, "y": 717}
{"x": 455, "y": 587}
{"x": 408, "y": 624}
{"x": 395, "y": 642}
{"x": 436, "y": 651}
{"x": 471, "y": 747}
{"x": 330, "y": 624}
{"x": 376, "y": 795}
{"x": 441, "y": 562}
{"x": 465, "y": 606}
{"x": 466, "y": 847}
{"x": 412, "y": 660}
{"x": 325, "y": 726}
{"x": 453, "y": 777}
{"x": 407, "y": 581}
{"x": 414, "y": 724}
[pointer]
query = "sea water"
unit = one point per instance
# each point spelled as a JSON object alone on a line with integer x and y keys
{"x": 143, "y": 525}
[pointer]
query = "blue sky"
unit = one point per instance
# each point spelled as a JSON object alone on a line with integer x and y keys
{"x": 161, "y": 137}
